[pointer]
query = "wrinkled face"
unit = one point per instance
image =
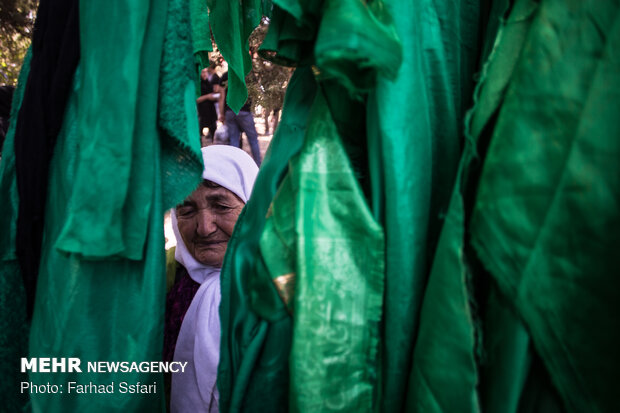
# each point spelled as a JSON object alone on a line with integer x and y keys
{"x": 204, "y": 74}
{"x": 206, "y": 220}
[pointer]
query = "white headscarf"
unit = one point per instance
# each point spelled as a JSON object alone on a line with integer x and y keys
{"x": 230, "y": 168}
{"x": 199, "y": 338}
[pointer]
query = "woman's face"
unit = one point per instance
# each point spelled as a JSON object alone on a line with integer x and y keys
{"x": 206, "y": 220}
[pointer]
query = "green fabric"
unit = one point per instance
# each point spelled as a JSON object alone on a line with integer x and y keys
{"x": 415, "y": 140}
{"x": 253, "y": 385}
{"x": 546, "y": 217}
{"x": 13, "y": 336}
{"x": 450, "y": 341}
{"x": 290, "y": 39}
{"x": 253, "y": 369}
{"x": 338, "y": 263}
{"x": 201, "y": 34}
{"x": 535, "y": 333}
{"x": 444, "y": 375}
{"x": 311, "y": 32}
{"x": 136, "y": 164}
{"x": 340, "y": 267}
{"x": 508, "y": 357}
{"x": 355, "y": 41}
{"x": 181, "y": 159}
{"x": 8, "y": 180}
{"x": 500, "y": 65}
{"x": 109, "y": 310}
{"x": 508, "y": 382}
{"x": 232, "y": 23}
{"x": 115, "y": 63}
{"x": 13, "y": 321}
{"x": 502, "y": 310}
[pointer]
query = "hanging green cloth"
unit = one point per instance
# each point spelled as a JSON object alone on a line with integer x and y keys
{"x": 107, "y": 103}
{"x": 253, "y": 370}
{"x": 110, "y": 104}
{"x": 356, "y": 40}
{"x": 455, "y": 334}
{"x": 546, "y": 221}
{"x": 532, "y": 184}
{"x": 201, "y": 34}
{"x": 255, "y": 374}
{"x": 340, "y": 269}
{"x": 232, "y": 22}
{"x": 323, "y": 251}
{"x": 97, "y": 310}
{"x": 290, "y": 38}
{"x": 14, "y": 326}
{"x": 511, "y": 378}
{"x": 181, "y": 159}
{"x": 102, "y": 278}
{"x": 415, "y": 140}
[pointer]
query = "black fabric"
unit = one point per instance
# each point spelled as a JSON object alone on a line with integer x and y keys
{"x": 248, "y": 103}
{"x": 6, "y": 97}
{"x": 206, "y": 109}
{"x": 55, "y": 54}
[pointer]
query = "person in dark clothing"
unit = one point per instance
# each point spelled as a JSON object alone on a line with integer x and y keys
{"x": 209, "y": 87}
{"x": 237, "y": 123}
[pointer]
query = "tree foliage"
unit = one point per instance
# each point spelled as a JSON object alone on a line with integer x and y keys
{"x": 267, "y": 82}
{"x": 16, "y": 23}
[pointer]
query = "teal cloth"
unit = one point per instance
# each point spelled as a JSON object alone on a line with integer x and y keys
{"x": 290, "y": 38}
{"x": 546, "y": 218}
{"x": 201, "y": 34}
{"x": 14, "y": 326}
{"x": 252, "y": 375}
{"x": 104, "y": 112}
{"x": 415, "y": 135}
{"x": 320, "y": 222}
{"x": 177, "y": 116}
{"x": 456, "y": 335}
{"x": 232, "y": 22}
{"x": 253, "y": 370}
{"x": 108, "y": 310}
{"x": 102, "y": 276}
{"x": 519, "y": 312}
{"x": 356, "y": 40}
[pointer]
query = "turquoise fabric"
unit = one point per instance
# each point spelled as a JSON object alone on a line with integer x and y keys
{"x": 253, "y": 371}
{"x": 97, "y": 310}
{"x": 529, "y": 319}
{"x": 232, "y": 22}
{"x": 128, "y": 150}
{"x": 14, "y": 326}
{"x": 461, "y": 327}
{"x": 201, "y": 35}
{"x": 335, "y": 251}
{"x": 415, "y": 136}
{"x": 103, "y": 113}
{"x": 546, "y": 214}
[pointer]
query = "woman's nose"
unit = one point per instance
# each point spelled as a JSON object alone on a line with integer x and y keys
{"x": 206, "y": 222}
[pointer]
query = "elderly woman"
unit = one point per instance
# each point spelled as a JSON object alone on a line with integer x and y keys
{"x": 203, "y": 224}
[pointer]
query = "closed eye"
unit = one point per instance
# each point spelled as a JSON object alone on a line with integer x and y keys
{"x": 186, "y": 209}
{"x": 222, "y": 207}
